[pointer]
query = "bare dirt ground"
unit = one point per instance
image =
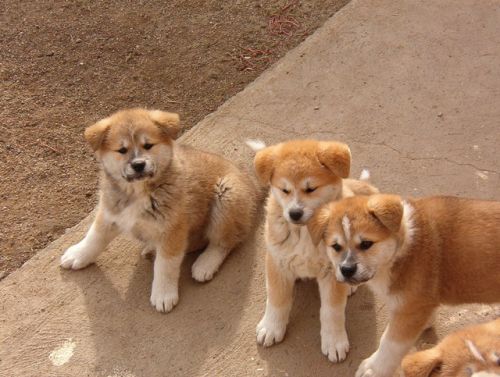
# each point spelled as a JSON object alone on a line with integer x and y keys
{"x": 64, "y": 65}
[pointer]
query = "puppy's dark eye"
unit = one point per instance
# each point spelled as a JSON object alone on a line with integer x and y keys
{"x": 148, "y": 146}
{"x": 285, "y": 191}
{"x": 122, "y": 150}
{"x": 310, "y": 189}
{"x": 365, "y": 245}
{"x": 337, "y": 247}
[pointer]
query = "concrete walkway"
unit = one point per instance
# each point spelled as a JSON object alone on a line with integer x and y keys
{"x": 412, "y": 86}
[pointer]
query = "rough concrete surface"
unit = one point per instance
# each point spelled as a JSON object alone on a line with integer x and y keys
{"x": 412, "y": 86}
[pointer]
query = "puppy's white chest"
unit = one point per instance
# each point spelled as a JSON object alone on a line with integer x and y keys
{"x": 137, "y": 218}
{"x": 297, "y": 253}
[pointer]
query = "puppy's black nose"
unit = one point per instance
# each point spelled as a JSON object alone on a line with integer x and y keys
{"x": 348, "y": 270}
{"x": 138, "y": 166}
{"x": 296, "y": 214}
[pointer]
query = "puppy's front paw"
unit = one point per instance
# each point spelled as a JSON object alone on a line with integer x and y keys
{"x": 368, "y": 368}
{"x": 270, "y": 332}
{"x": 335, "y": 346}
{"x": 201, "y": 272}
{"x": 207, "y": 264}
{"x": 164, "y": 300}
{"x": 77, "y": 256}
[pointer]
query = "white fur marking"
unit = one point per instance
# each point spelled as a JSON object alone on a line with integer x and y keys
{"x": 475, "y": 351}
{"x": 346, "y": 225}
{"x": 408, "y": 223}
{"x": 255, "y": 144}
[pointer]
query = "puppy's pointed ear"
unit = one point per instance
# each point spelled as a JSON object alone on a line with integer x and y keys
{"x": 421, "y": 364}
{"x": 96, "y": 134}
{"x": 168, "y": 122}
{"x": 318, "y": 223}
{"x": 388, "y": 209}
{"x": 264, "y": 164}
{"x": 336, "y": 157}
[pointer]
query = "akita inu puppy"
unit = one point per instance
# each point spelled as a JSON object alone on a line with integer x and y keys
{"x": 303, "y": 175}
{"x": 471, "y": 352}
{"x": 172, "y": 197}
{"x": 416, "y": 254}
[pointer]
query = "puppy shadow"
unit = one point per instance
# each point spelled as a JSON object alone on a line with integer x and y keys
{"x": 300, "y": 352}
{"x": 429, "y": 338}
{"x": 131, "y": 338}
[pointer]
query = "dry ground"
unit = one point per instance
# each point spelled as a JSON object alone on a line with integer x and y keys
{"x": 66, "y": 64}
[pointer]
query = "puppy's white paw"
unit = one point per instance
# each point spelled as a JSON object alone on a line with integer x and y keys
{"x": 334, "y": 346}
{"x": 78, "y": 256}
{"x": 164, "y": 300}
{"x": 368, "y": 368}
{"x": 270, "y": 332}
{"x": 207, "y": 264}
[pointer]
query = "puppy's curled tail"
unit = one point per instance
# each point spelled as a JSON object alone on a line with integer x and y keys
{"x": 255, "y": 144}
{"x": 363, "y": 186}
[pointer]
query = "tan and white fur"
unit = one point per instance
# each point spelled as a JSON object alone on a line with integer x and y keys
{"x": 303, "y": 175}
{"x": 471, "y": 352}
{"x": 171, "y": 197}
{"x": 416, "y": 255}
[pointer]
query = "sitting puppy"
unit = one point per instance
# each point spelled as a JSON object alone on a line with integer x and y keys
{"x": 172, "y": 197}
{"x": 416, "y": 254}
{"x": 473, "y": 351}
{"x": 303, "y": 175}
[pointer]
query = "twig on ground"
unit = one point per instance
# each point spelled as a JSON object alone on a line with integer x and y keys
{"x": 249, "y": 57}
{"x": 42, "y": 144}
{"x": 283, "y": 24}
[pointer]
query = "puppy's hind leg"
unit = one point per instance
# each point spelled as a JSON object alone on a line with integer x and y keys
{"x": 231, "y": 219}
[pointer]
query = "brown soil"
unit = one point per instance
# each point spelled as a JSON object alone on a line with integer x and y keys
{"x": 66, "y": 64}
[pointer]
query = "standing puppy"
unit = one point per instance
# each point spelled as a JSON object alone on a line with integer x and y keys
{"x": 172, "y": 197}
{"x": 303, "y": 175}
{"x": 415, "y": 254}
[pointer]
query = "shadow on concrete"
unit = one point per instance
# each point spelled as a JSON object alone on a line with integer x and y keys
{"x": 132, "y": 339}
{"x": 303, "y": 342}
